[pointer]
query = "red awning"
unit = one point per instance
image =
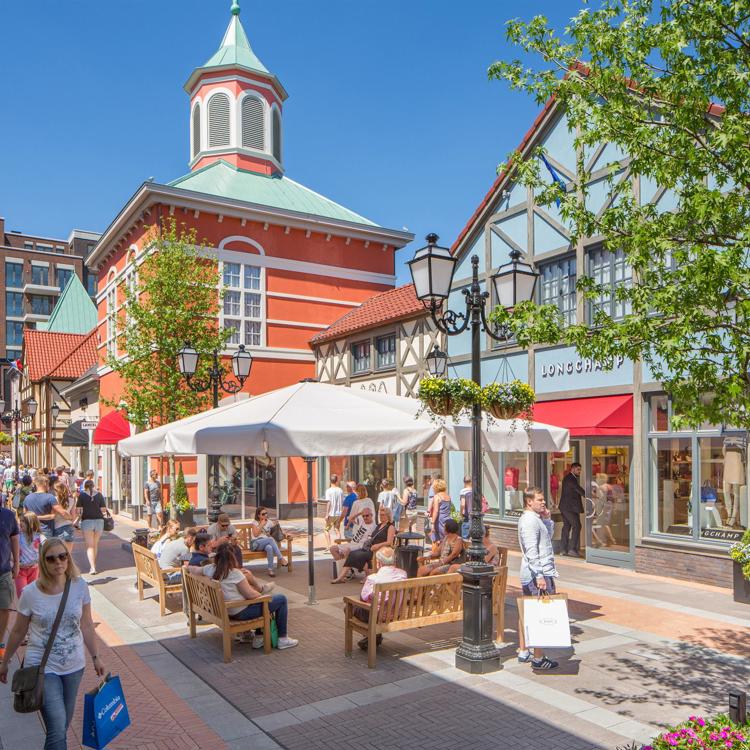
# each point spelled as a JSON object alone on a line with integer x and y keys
{"x": 602, "y": 415}
{"x": 111, "y": 429}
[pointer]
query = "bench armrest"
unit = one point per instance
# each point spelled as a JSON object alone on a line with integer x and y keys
{"x": 246, "y": 602}
{"x": 356, "y": 602}
{"x": 170, "y": 570}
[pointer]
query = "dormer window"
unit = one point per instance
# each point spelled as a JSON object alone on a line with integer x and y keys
{"x": 253, "y": 124}
{"x": 218, "y": 121}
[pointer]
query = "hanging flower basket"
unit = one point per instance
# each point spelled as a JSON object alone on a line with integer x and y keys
{"x": 448, "y": 397}
{"x": 5, "y": 438}
{"x": 27, "y": 437}
{"x": 514, "y": 400}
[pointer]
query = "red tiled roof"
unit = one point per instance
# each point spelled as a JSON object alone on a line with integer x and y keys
{"x": 395, "y": 304}
{"x": 65, "y": 356}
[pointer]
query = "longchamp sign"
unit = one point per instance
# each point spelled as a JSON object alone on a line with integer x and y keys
{"x": 570, "y": 367}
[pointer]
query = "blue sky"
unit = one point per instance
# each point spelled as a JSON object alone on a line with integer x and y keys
{"x": 389, "y": 113}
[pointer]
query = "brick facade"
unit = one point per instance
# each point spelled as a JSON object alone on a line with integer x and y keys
{"x": 714, "y": 570}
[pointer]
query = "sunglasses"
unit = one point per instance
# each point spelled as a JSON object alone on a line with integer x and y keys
{"x": 60, "y": 558}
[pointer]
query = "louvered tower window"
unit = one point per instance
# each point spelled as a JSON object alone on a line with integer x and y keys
{"x": 196, "y": 129}
{"x": 276, "y": 129}
{"x": 253, "y": 135}
{"x": 218, "y": 120}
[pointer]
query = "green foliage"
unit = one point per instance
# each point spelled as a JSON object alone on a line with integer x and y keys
{"x": 5, "y": 438}
{"x": 652, "y": 72}
{"x": 516, "y": 399}
{"x": 449, "y": 396}
{"x": 180, "y": 501}
{"x": 717, "y": 733}
{"x": 27, "y": 438}
{"x": 174, "y": 300}
{"x": 740, "y": 553}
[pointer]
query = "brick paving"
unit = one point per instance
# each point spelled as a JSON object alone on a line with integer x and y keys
{"x": 648, "y": 651}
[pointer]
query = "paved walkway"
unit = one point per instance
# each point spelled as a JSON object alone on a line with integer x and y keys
{"x": 648, "y": 651}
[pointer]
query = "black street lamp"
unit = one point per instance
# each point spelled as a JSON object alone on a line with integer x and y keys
{"x": 432, "y": 271}
{"x": 16, "y": 417}
{"x": 242, "y": 362}
{"x": 55, "y": 411}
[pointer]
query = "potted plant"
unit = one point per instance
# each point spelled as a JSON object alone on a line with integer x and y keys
{"x": 740, "y": 554}
{"x": 508, "y": 400}
{"x": 5, "y": 438}
{"x": 181, "y": 508}
{"x": 27, "y": 438}
{"x": 446, "y": 397}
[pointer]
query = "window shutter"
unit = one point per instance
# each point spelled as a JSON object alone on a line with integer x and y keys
{"x": 196, "y": 129}
{"x": 253, "y": 135}
{"x": 277, "y": 135}
{"x": 218, "y": 120}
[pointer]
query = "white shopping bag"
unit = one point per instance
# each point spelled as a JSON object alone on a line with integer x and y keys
{"x": 545, "y": 621}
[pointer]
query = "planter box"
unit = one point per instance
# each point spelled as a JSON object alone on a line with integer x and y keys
{"x": 741, "y": 585}
{"x": 185, "y": 518}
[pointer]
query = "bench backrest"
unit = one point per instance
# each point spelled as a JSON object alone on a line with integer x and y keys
{"x": 205, "y": 597}
{"x": 147, "y": 565}
{"x": 244, "y": 536}
{"x": 418, "y": 598}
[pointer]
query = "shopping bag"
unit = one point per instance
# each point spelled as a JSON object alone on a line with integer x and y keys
{"x": 274, "y": 633}
{"x": 545, "y": 621}
{"x": 105, "y": 713}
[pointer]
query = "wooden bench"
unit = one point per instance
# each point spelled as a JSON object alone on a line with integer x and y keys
{"x": 415, "y": 603}
{"x": 205, "y": 598}
{"x": 244, "y": 539}
{"x": 147, "y": 570}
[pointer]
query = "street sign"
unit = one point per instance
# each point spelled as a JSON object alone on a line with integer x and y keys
{"x": 89, "y": 424}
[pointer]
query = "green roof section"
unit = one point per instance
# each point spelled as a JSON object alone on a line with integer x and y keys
{"x": 276, "y": 191}
{"x": 74, "y": 311}
{"x": 235, "y": 49}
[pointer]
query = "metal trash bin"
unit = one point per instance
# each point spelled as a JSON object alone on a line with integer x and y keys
{"x": 409, "y": 546}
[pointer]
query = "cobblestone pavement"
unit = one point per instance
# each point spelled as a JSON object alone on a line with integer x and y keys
{"x": 648, "y": 651}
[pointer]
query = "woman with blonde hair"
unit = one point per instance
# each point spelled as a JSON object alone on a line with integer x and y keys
{"x": 59, "y": 587}
{"x": 64, "y": 521}
{"x": 30, "y": 540}
{"x": 441, "y": 509}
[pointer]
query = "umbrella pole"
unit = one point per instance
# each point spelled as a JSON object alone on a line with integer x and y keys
{"x": 310, "y": 543}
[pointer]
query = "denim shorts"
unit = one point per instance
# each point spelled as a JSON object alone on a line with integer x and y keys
{"x": 7, "y": 590}
{"x": 93, "y": 524}
{"x": 66, "y": 533}
{"x": 154, "y": 508}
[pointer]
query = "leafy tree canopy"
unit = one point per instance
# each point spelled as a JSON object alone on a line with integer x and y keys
{"x": 173, "y": 298}
{"x": 669, "y": 84}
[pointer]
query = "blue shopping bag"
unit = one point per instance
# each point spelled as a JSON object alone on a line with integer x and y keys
{"x": 105, "y": 713}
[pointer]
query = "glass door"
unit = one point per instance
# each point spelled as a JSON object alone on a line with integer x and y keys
{"x": 608, "y": 527}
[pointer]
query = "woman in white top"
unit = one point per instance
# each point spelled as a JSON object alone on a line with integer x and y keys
{"x": 363, "y": 501}
{"x": 389, "y": 499}
{"x": 64, "y": 522}
{"x": 260, "y": 530}
{"x": 37, "y": 609}
{"x": 234, "y": 586}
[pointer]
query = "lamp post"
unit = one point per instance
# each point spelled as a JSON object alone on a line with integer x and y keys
{"x": 242, "y": 361}
{"x": 16, "y": 417}
{"x": 432, "y": 272}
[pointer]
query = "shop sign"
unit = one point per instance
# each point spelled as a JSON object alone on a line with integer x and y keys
{"x": 724, "y": 535}
{"x": 562, "y": 369}
{"x": 555, "y": 369}
{"x": 89, "y": 424}
{"x": 513, "y": 513}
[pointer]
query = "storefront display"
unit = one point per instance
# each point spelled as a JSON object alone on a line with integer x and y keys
{"x": 246, "y": 482}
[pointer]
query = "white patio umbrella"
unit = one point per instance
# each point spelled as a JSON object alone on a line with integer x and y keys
{"x": 310, "y": 419}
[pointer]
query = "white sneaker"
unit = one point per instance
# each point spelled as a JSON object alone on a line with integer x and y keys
{"x": 258, "y": 641}
{"x": 286, "y": 642}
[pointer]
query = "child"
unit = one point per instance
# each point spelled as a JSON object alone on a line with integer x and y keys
{"x": 29, "y": 540}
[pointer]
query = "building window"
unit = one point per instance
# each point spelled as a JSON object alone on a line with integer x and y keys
{"x": 242, "y": 309}
{"x": 610, "y": 271}
{"x": 28, "y": 245}
{"x": 13, "y": 275}
{"x": 276, "y": 127}
{"x": 13, "y": 333}
{"x": 41, "y": 305}
{"x": 43, "y": 248}
{"x": 557, "y": 283}
{"x": 361, "y": 357}
{"x": 91, "y": 283}
{"x": 386, "y": 350}
{"x": 63, "y": 277}
{"x": 253, "y": 121}
{"x": 218, "y": 121}
{"x": 13, "y": 353}
{"x": 14, "y": 304}
{"x": 196, "y": 130}
{"x": 112, "y": 321}
{"x": 40, "y": 275}
{"x": 60, "y": 249}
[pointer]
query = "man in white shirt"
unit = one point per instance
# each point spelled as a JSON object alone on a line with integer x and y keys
{"x": 538, "y": 572}
{"x": 335, "y": 500}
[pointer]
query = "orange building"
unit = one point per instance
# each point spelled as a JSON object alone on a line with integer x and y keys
{"x": 292, "y": 261}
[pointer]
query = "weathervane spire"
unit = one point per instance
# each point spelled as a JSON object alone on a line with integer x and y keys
{"x": 235, "y": 8}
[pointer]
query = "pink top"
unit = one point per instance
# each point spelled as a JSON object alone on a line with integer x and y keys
{"x": 386, "y": 574}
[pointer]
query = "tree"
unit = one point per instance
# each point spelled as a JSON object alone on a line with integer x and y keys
{"x": 669, "y": 84}
{"x": 173, "y": 298}
{"x": 180, "y": 501}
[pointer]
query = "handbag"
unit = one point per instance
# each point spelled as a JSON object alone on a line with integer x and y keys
{"x": 28, "y": 682}
{"x": 708, "y": 493}
{"x": 274, "y": 633}
{"x": 109, "y": 522}
{"x": 277, "y": 533}
{"x": 105, "y": 713}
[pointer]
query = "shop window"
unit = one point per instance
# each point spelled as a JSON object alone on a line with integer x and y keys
{"x": 672, "y": 485}
{"x": 515, "y": 480}
{"x": 557, "y": 284}
{"x": 386, "y": 350}
{"x": 659, "y": 413}
{"x": 361, "y": 357}
{"x": 609, "y": 508}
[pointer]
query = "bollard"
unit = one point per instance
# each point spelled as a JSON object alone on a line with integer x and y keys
{"x": 738, "y": 706}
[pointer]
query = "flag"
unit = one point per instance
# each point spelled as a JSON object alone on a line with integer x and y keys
{"x": 555, "y": 176}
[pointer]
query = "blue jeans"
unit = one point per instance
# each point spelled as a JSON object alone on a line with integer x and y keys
{"x": 397, "y": 510}
{"x": 60, "y": 693}
{"x": 278, "y": 606}
{"x": 268, "y": 544}
{"x": 465, "y": 529}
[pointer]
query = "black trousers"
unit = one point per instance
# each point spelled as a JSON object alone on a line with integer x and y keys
{"x": 570, "y": 538}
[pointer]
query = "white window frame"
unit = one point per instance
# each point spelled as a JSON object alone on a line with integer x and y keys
{"x": 615, "y": 308}
{"x": 389, "y": 365}
{"x": 111, "y": 321}
{"x": 198, "y": 103}
{"x": 555, "y": 284}
{"x": 266, "y": 122}
{"x": 242, "y": 319}
{"x": 205, "y": 118}
{"x": 368, "y": 368}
